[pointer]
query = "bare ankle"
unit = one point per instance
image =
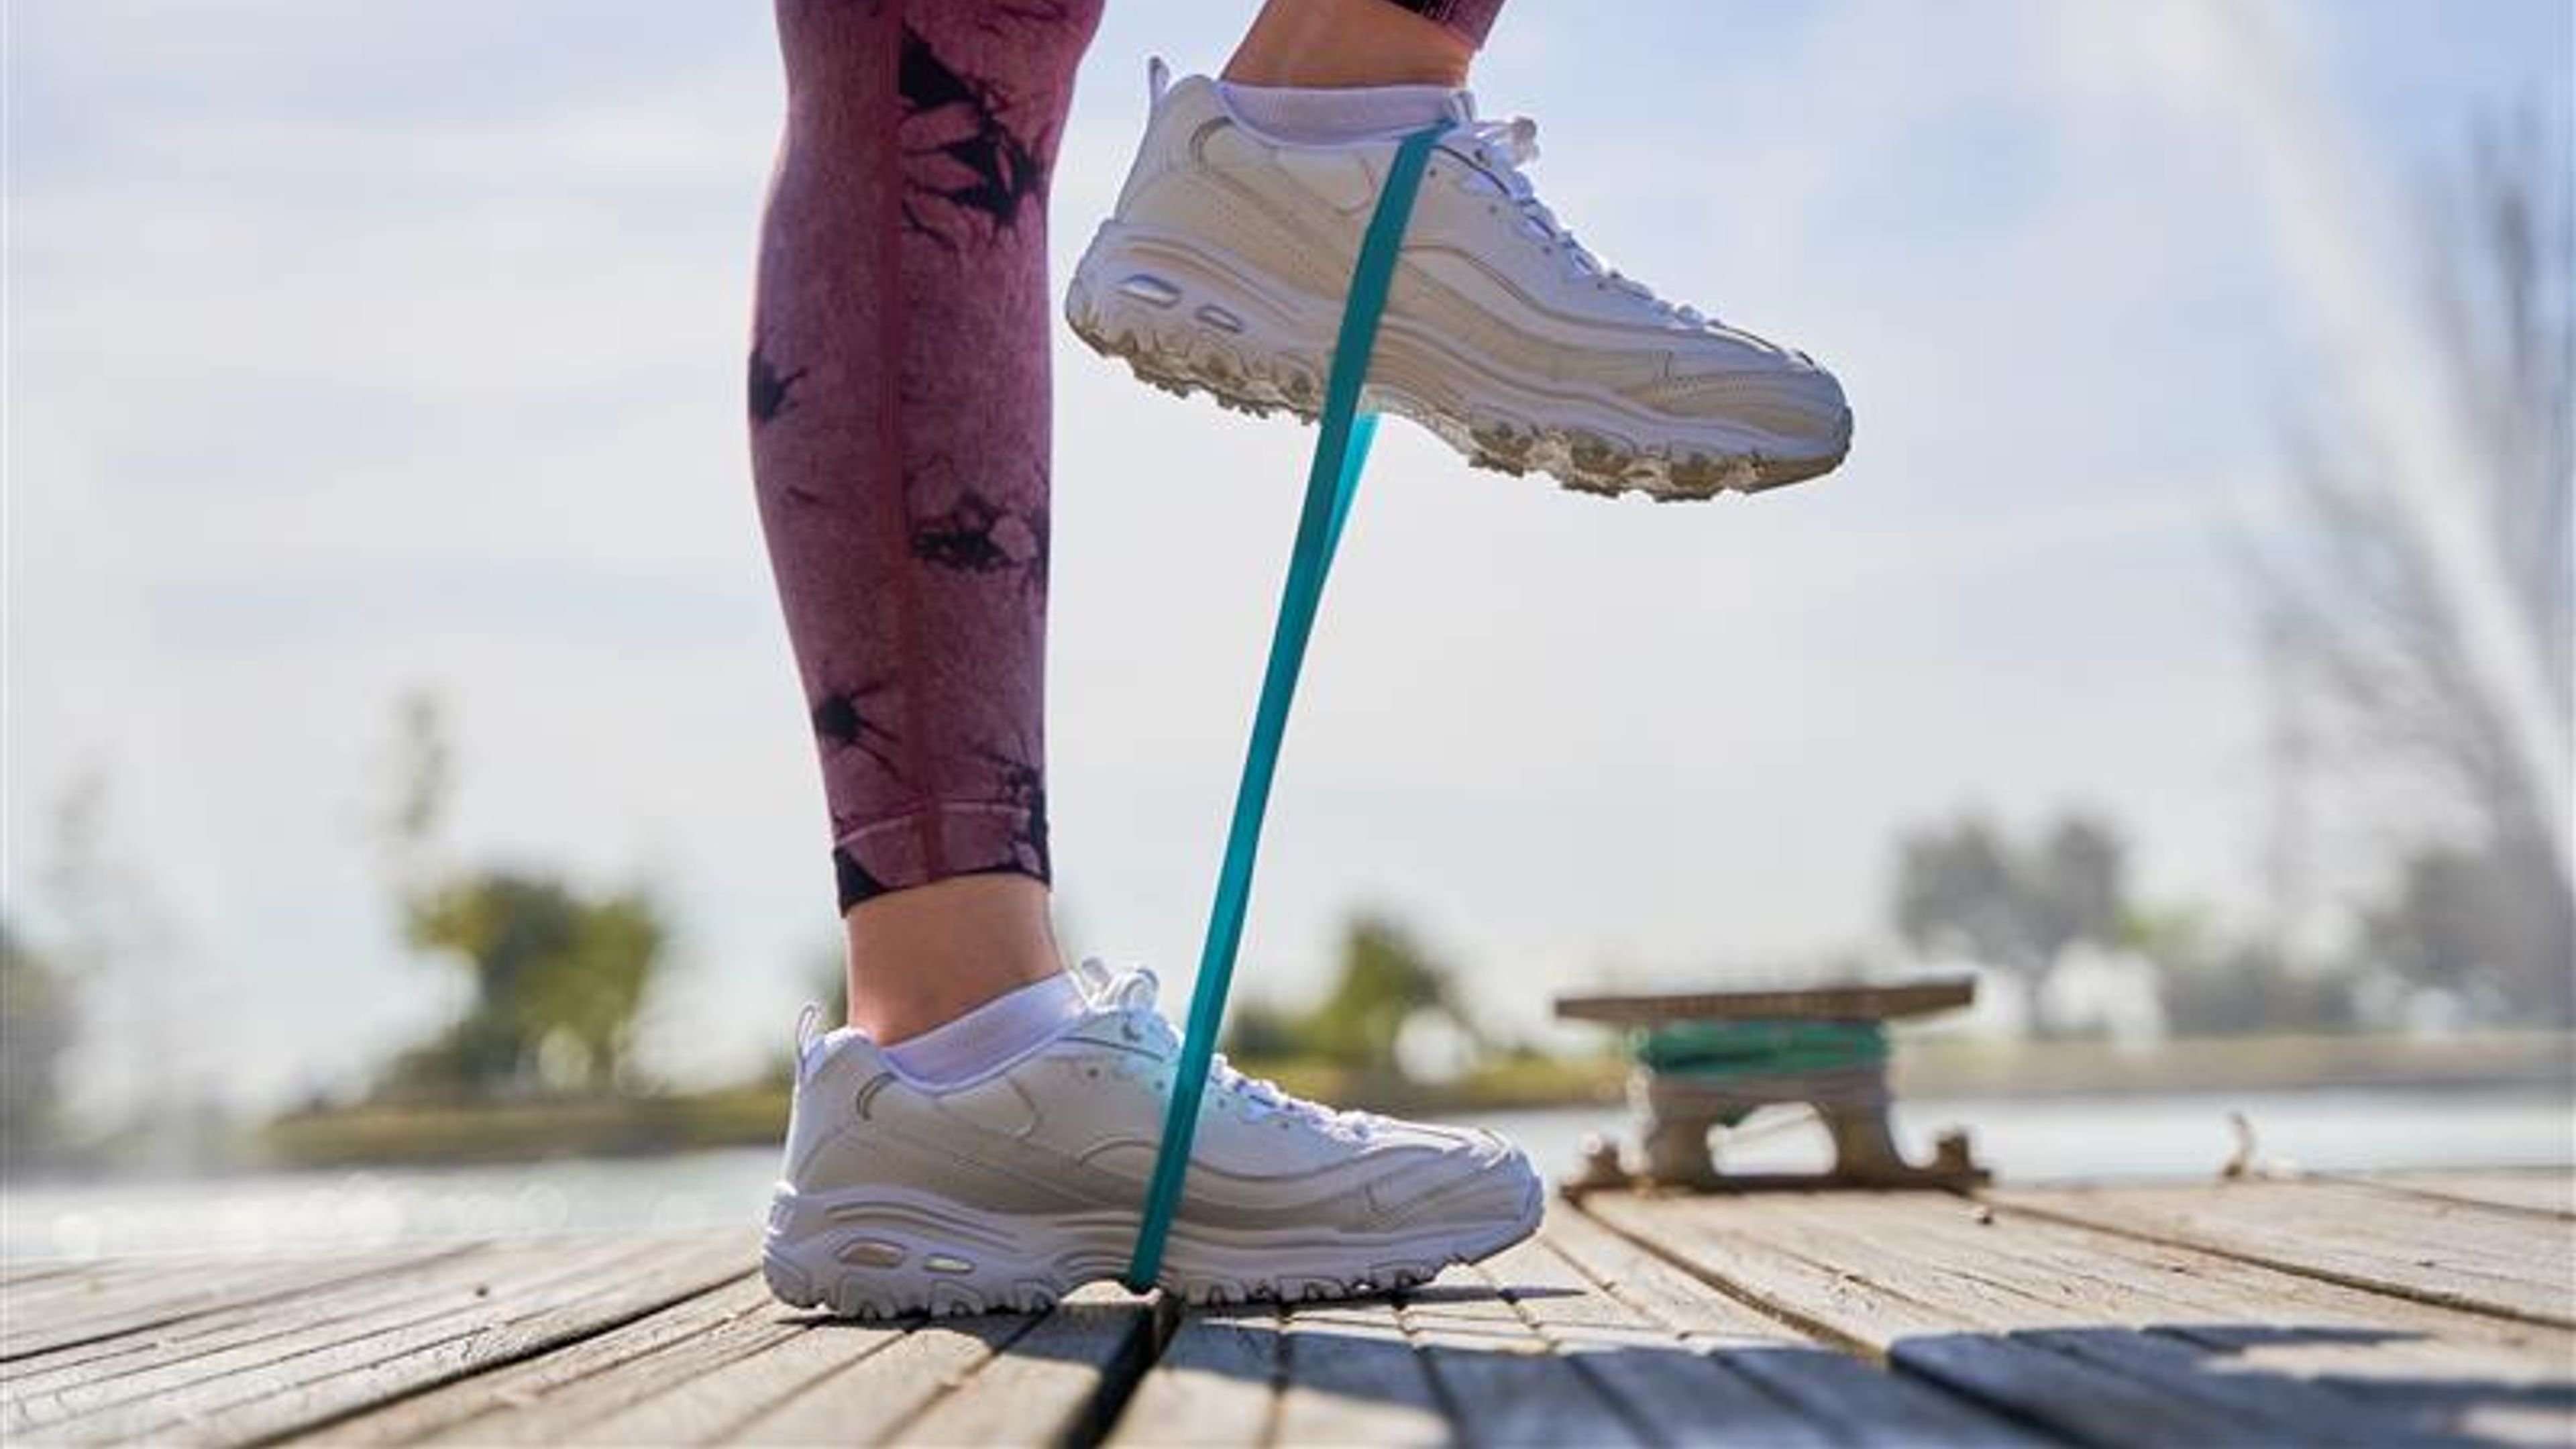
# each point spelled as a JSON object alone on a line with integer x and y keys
{"x": 1336, "y": 44}
{"x": 923, "y": 957}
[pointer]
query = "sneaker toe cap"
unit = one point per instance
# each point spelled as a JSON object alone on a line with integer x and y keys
{"x": 1475, "y": 1179}
{"x": 1788, "y": 397}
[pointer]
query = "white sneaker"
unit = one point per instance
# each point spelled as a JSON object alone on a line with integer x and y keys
{"x": 1226, "y": 262}
{"x": 1012, "y": 1190}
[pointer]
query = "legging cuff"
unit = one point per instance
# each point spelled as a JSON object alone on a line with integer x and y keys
{"x": 936, "y": 842}
{"x": 1469, "y": 18}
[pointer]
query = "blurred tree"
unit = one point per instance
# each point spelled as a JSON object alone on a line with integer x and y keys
{"x": 2482, "y": 925}
{"x": 106, "y": 938}
{"x": 1259, "y": 1030}
{"x": 1955, "y": 892}
{"x": 1963, "y": 888}
{"x": 2078, "y": 884}
{"x": 36, "y": 1029}
{"x": 558, "y": 975}
{"x": 2215, "y": 986}
{"x": 1386, "y": 978}
{"x": 558, "y": 979}
{"x": 2355, "y": 622}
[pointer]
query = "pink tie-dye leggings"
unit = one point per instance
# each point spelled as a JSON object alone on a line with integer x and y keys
{"x": 899, "y": 415}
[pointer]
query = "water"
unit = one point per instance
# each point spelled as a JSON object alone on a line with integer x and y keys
{"x": 2023, "y": 1140}
{"x": 2180, "y": 1136}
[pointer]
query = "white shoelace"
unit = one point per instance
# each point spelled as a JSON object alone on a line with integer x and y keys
{"x": 1503, "y": 148}
{"x": 1132, "y": 994}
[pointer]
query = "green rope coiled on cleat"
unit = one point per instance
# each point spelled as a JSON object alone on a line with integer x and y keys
{"x": 1713, "y": 1050}
{"x": 1341, "y": 451}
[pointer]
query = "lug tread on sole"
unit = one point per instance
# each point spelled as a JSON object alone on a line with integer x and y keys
{"x": 854, "y": 1292}
{"x": 857, "y": 1294}
{"x": 1581, "y": 460}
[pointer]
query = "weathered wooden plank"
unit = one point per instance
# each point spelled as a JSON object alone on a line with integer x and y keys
{"x": 254, "y": 1393}
{"x": 945, "y": 1381}
{"x": 2550, "y": 1190}
{"x": 1501, "y": 1379}
{"x": 2455, "y": 1254}
{"x": 586, "y": 1392}
{"x": 1646, "y": 1282}
{"x": 271, "y": 1325}
{"x": 140, "y": 1295}
{"x": 2425, "y": 1369}
{"x": 2473, "y": 1239}
{"x": 2190, "y": 1287}
{"x": 489, "y": 1407}
{"x": 235, "y": 1346}
{"x": 730, "y": 1376}
{"x": 1675, "y": 1393}
{"x": 1055, "y": 1381}
{"x": 1843, "y": 1398}
{"x": 161, "y": 1275}
{"x": 521, "y": 1325}
{"x": 1823, "y": 1003}
{"x": 17, "y": 1272}
{"x": 1216, "y": 1382}
{"x": 21, "y": 1276}
{"x": 1969, "y": 1325}
{"x": 871, "y": 1400}
{"x": 68, "y": 1382}
{"x": 2268, "y": 1317}
{"x": 1353, "y": 1376}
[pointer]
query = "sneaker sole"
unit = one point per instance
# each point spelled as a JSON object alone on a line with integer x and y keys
{"x": 1186, "y": 322}
{"x": 889, "y": 1253}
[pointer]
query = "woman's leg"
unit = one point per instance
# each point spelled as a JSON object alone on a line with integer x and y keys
{"x": 998, "y": 1155}
{"x": 900, "y": 434}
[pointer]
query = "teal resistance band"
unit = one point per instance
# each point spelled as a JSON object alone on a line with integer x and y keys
{"x": 1341, "y": 450}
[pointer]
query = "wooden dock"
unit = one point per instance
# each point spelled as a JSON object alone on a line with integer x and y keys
{"x": 2399, "y": 1309}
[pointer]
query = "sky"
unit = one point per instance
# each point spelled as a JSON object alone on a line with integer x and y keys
{"x": 353, "y": 350}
